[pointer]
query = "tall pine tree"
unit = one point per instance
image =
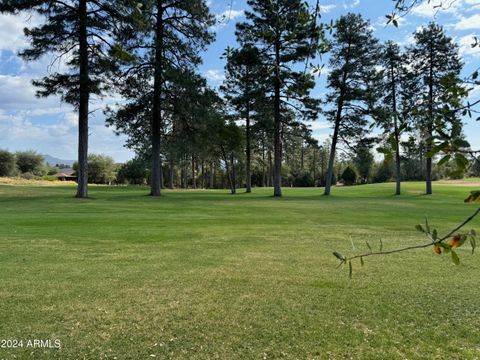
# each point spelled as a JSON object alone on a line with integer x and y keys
{"x": 397, "y": 105}
{"x": 284, "y": 31}
{"x": 243, "y": 88}
{"x": 353, "y": 82}
{"x": 78, "y": 33}
{"x": 164, "y": 40}
{"x": 434, "y": 57}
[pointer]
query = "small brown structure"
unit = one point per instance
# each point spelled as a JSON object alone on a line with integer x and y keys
{"x": 66, "y": 174}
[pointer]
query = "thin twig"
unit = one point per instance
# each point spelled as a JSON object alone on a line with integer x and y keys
{"x": 470, "y": 218}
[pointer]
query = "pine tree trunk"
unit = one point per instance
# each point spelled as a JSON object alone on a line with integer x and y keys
{"x": 264, "y": 175}
{"x": 248, "y": 152}
{"x": 234, "y": 174}
{"x": 162, "y": 182}
{"x": 212, "y": 176}
{"x": 428, "y": 148}
{"x": 338, "y": 118}
{"x": 331, "y": 161}
{"x": 194, "y": 181}
{"x": 270, "y": 169}
{"x": 277, "y": 167}
{"x": 185, "y": 173}
{"x": 227, "y": 169}
{"x": 172, "y": 168}
{"x": 398, "y": 172}
{"x": 396, "y": 130}
{"x": 181, "y": 176}
{"x": 302, "y": 158}
{"x": 214, "y": 179}
{"x": 328, "y": 180}
{"x": 82, "y": 173}
{"x": 157, "y": 112}
{"x": 428, "y": 173}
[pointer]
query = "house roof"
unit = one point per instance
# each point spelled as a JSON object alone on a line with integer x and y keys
{"x": 65, "y": 172}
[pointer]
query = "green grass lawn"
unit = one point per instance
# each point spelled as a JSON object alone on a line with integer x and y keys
{"x": 207, "y": 275}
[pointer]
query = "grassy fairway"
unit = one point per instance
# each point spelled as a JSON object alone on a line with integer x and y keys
{"x": 207, "y": 275}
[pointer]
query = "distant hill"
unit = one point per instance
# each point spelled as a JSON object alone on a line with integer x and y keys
{"x": 52, "y": 161}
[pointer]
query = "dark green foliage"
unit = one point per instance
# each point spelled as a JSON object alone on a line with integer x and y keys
{"x": 363, "y": 161}
{"x": 383, "y": 173}
{"x": 349, "y": 176}
{"x": 134, "y": 172}
{"x": 413, "y": 151}
{"x": 230, "y": 138}
{"x": 30, "y": 162}
{"x": 7, "y": 163}
{"x": 303, "y": 179}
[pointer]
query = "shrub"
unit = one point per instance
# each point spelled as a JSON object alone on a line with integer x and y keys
{"x": 30, "y": 162}
{"x": 7, "y": 163}
{"x": 28, "y": 176}
{"x": 303, "y": 180}
{"x": 52, "y": 170}
{"x": 383, "y": 173}
{"x": 133, "y": 172}
{"x": 101, "y": 169}
{"x": 349, "y": 176}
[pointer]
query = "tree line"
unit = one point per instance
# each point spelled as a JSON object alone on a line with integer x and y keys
{"x": 252, "y": 129}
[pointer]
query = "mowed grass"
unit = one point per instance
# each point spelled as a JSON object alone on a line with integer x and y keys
{"x": 208, "y": 275}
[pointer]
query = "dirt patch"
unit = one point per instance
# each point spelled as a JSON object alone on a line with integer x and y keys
{"x": 460, "y": 183}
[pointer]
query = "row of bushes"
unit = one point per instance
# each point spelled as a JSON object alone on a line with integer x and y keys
{"x": 28, "y": 164}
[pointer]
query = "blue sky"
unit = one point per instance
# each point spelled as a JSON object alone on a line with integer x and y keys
{"x": 48, "y": 126}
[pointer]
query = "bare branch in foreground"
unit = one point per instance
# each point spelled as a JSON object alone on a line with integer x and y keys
{"x": 438, "y": 243}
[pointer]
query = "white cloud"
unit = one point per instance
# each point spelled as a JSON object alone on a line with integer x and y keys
{"x": 467, "y": 23}
{"x": 11, "y": 30}
{"x": 431, "y": 8}
{"x": 11, "y": 33}
{"x": 465, "y": 44}
{"x": 47, "y": 125}
{"x": 319, "y": 125}
{"x": 21, "y": 128}
{"x": 230, "y": 15}
{"x": 327, "y": 8}
{"x": 18, "y": 94}
{"x": 225, "y": 17}
{"x": 407, "y": 40}
{"x": 353, "y": 4}
{"x": 474, "y": 93}
{"x": 215, "y": 75}
{"x": 321, "y": 138}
